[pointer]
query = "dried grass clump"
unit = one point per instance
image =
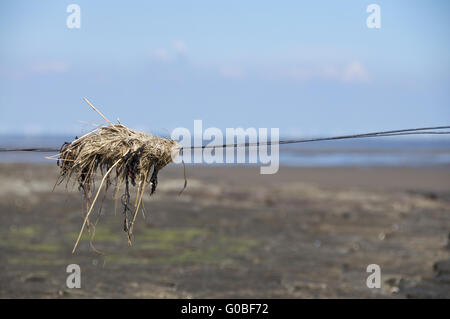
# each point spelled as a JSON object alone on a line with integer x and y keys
{"x": 123, "y": 157}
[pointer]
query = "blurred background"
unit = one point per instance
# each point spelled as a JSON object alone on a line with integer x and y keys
{"x": 307, "y": 68}
{"x": 310, "y": 69}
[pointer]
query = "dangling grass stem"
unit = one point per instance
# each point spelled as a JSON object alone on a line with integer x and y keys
{"x": 92, "y": 205}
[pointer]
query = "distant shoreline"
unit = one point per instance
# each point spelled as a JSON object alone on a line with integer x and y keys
{"x": 380, "y": 152}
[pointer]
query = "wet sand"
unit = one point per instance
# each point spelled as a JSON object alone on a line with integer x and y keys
{"x": 301, "y": 233}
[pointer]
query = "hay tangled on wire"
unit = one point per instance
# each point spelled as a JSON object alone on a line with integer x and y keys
{"x": 121, "y": 155}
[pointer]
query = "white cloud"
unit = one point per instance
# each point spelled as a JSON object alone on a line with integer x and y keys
{"x": 355, "y": 72}
{"x": 231, "y": 72}
{"x": 50, "y": 67}
{"x": 177, "y": 50}
{"x": 159, "y": 54}
{"x": 180, "y": 47}
{"x": 329, "y": 72}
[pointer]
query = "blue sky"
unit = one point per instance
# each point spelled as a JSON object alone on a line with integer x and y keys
{"x": 309, "y": 68}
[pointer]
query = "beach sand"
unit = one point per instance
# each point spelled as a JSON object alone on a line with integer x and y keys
{"x": 301, "y": 233}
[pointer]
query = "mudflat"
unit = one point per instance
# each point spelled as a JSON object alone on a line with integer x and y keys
{"x": 305, "y": 232}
